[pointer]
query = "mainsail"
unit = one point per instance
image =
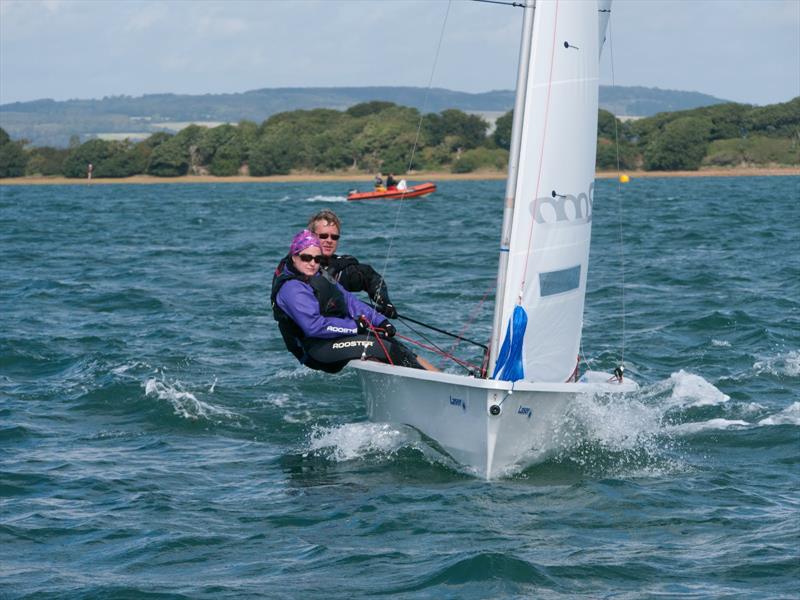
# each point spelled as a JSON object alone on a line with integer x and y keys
{"x": 544, "y": 284}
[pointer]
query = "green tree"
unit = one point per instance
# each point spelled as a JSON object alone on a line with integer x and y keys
{"x": 13, "y": 159}
{"x": 46, "y": 160}
{"x": 93, "y": 152}
{"x": 606, "y": 125}
{"x": 681, "y": 146}
{"x": 227, "y": 159}
{"x": 369, "y": 108}
{"x": 126, "y": 159}
{"x": 465, "y": 131}
{"x": 210, "y": 140}
{"x": 169, "y": 159}
{"x": 502, "y": 130}
{"x": 271, "y": 155}
{"x": 481, "y": 158}
{"x": 157, "y": 139}
{"x": 247, "y": 132}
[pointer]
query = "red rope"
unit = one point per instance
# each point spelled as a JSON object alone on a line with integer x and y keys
{"x": 469, "y": 322}
{"x": 541, "y": 149}
{"x": 463, "y": 363}
{"x": 380, "y": 341}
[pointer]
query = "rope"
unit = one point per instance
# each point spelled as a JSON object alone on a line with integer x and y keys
{"x": 374, "y": 332}
{"x": 416, "y": 141}
{"x": 434, "y": 348}
{"x": 619, "y": 205}
{"x": 541, "y": 153}
{"x": 469, "y": 322}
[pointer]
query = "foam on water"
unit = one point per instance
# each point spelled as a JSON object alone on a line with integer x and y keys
{"x": 357, "y": 440}
{"x": 692, "y": 390}
{"x": 785, "y": 364}
{"x": 711, "y": 424}
{"x": 123, "y": 369}
{"x": 184, "y": 403}
{"x": 321, "y": 198}
{"x": 788, "y": 416}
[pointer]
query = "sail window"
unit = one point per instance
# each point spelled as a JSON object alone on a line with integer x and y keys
{"x": 558, "y": 282}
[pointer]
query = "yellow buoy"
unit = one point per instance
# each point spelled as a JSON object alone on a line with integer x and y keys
{"x": 624, "y": 178}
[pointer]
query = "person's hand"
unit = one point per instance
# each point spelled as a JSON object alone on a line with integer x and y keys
{"x": 387, "y": 330}
{"x": 387, "y": 309}
{"x": 362, "y": 324}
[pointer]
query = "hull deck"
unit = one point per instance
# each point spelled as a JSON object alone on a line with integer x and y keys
{"x": 489, "y": 426}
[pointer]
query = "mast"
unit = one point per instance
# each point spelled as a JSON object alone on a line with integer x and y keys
{"x": 511, "y": 181}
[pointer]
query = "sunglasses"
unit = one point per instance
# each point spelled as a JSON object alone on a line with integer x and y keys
{"x": 324, "y": 236}
{"x": 308, "y": 258}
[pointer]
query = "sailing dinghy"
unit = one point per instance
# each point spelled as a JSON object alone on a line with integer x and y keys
{"x": 514, "y": 417}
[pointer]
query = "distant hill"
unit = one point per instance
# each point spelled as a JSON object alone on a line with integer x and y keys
{"x": 50, "y": 122}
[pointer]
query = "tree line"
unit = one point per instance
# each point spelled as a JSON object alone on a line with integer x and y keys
{"x": 380, "y": 136}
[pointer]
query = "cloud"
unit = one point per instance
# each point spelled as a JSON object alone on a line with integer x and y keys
{"x": 744, "y": 50}
{"x": 146, "y": 17}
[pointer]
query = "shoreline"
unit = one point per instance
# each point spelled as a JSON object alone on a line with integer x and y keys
{"x": 365, "y": 179}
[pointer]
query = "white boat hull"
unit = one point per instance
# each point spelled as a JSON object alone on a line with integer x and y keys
{"x": 458, "y": 412}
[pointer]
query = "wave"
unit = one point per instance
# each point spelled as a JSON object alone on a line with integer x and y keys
{"x": 357, "y": 440}
{"x": 322, "y": 198}
{"x": 184, "y": 403}
{"x": 783, "y": 365}
{"x": 788, "y": 416}
{"x": 640, "y": 434}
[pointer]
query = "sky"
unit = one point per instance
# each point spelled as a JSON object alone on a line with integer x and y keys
{"x": 741, "y": 50}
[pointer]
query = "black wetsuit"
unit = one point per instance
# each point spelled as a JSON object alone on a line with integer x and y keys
{"x": 358, "y": 277}
{"x": 331, "y": 354}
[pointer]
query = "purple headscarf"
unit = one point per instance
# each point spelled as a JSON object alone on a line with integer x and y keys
{"x": 304, "y": 239}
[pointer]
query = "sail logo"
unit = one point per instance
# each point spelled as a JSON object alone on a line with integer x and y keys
{"x": 458, "y": 402}
{"x": 564, "y": 209}
{"x": 524, "y": 410}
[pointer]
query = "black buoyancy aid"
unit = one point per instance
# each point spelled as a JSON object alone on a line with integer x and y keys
{"x": 338, "y": 263}
{"x": 332, "y": 303}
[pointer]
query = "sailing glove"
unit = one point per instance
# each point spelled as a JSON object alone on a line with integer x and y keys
{"x": 387, "y": 309}
{"x": 362, "y": 324}
{"x": 388, "y": 329}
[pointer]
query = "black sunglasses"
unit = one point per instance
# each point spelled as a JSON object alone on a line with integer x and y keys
{"x": 324, "y": 236}
{"x": 308, "y": 258}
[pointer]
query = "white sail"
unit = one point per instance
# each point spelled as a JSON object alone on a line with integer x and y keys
{"x": 552, "y": 215}
{"x": 494, "y": 425}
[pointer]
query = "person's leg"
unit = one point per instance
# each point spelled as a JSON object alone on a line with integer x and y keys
{"x": 332, "y": 355}
{"x": 427, "y": 365}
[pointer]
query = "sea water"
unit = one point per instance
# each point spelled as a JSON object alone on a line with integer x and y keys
{"x": 157, "y": 440}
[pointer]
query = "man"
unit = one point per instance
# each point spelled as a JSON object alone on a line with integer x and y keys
{"x": 352, "y": 275}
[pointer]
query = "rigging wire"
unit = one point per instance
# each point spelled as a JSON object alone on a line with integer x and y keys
{"x": 416, "y": 143}
{"x": 514, "y": 4}
{"x": 416, "y": 138}
{"x": 541, "y": 155}
{"x": 619, "y": 206}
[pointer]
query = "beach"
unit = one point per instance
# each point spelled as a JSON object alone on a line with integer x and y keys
{"x": 415, "y": 177}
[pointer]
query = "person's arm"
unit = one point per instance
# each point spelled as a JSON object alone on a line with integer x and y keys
{"x": 356, "y": 308}
{"x": 298, "y": 301}
{"x": 360, "y": 277}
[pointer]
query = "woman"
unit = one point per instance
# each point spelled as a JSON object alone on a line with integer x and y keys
{"x": 324, "y": 325}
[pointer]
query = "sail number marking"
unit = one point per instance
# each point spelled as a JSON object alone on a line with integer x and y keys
{"x": 458, "y": 402}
